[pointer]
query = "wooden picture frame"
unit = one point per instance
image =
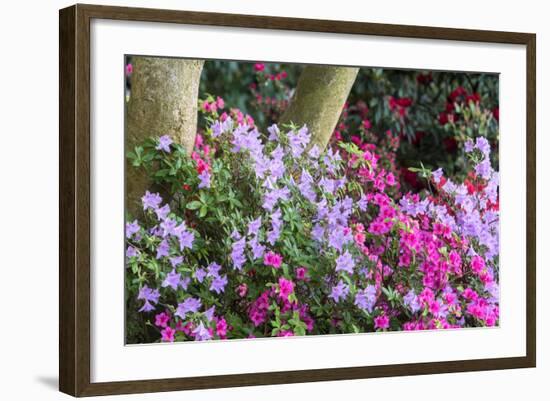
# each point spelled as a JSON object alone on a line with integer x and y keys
{"x": 74, "y": 199}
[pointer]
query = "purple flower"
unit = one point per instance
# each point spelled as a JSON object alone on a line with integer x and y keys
{"x": 151, "y": 201}
{"x": 366, "y": 299}
{"x": 306, "y": 187}
{"x": 339, "y": 291}
{"x": 162, "y": 212}
{"x": 218, "y": 284}
{"x": 412, "y": 302}
{"x": 273, "y": 132}
{"x": 213, "y": 269}
{"x": 149, "y": 296}
{"x": 484, "y": 169}
{"x": 200, "y": 274}
{"x": 132, "y": 228}
{"x": 276, "y": 225}
{"x": 131, "y": 252}
{"x": 318, "y": 233}
{"x": 483, "y": 145}
{"x": 338, "y": 237}
{"x": 362, "y": 203}
{"x": 330, "y": 160}
{"x": 172, "y": 280}
{"x": 257, "y": 248}
{"x": 168, "y": 227}
{"x": 469, "y": 146}
{"x": 345, "y": 263}
{"x": 247, "y": 140}
{"x": 327, "y": 184}
{"x": 185, "y": 237}
{"x": 163, "y": 249}
{"x": 254, "y": 226}
{"x": 314, "y": 152}
{"x": 298, "y": 141}
{"x": 201, "y": 333}
{"x": 164, "y": 143}
{"x": 204, "y": 177}
{"x": 437, "y": 174}
{"x": 175, "y": 261}
{"x": 273, "y": 196}
{"x": 237, "y": 253}
{"x": 209, "y": 313}
{"x": 189, "y": 305}
{"x": 217, "y": 129}
{"x": 276, "y": 164}
{"x": 184, "y": 283}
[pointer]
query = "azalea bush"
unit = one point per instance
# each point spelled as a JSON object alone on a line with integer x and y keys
{"x": 260, "y": 233}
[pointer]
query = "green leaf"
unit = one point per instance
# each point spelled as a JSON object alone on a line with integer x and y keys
{"x": 194, "y": 205}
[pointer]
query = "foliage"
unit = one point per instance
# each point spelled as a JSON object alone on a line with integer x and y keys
{"x": 259, "y": 234}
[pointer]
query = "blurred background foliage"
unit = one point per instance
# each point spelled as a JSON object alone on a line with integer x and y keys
{"x": 421, "y": 118}
{"x": 430, "y": 113}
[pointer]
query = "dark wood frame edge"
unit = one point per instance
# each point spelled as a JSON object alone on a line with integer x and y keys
{"x": 74, "y": 199}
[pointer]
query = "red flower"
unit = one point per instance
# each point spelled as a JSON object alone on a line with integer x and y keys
{"x": 259, "y": 67}
{"x": 474, "y": 97}
{"x": 404, "y": 102}
{"x": 424, "y": 79}
{"x": 495, "y": 113}
{"x": 450, "y": 144}
{"x": 460, "y": 91}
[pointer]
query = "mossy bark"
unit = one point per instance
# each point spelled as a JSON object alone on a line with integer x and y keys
{"x": 163, "y": 100}
{"x": 319, "y": 98}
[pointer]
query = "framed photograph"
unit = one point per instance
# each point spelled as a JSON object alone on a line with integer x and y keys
{"x": 279, "y": 200}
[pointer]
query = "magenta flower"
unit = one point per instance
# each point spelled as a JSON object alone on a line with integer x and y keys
{"x": 273, "y": 259}
{"x": 162, "y": 319}
{"x": 286, "y": 287}
{"x": 301, "y": 273}
{"x": 381, "y": 322}
{"x": 168, "y": 334}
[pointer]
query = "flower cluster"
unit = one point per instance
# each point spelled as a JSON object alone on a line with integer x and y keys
{"x": 264, "y": 234}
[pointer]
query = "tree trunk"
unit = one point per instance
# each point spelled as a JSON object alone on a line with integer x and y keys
{"x": 318, "y": 100}
{"x": 163, "y": 100}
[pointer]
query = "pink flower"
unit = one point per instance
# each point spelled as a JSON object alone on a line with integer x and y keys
{"x": 259, "y": 67}
{"x": 477, "y": 264}
{"x": 286, "y": 287}
{"x": 285, "y": 333}
{"x": 242, "y": 289}
{"x": 381, "y": 322}
{"x": 220, "y": 103}
{"x": 162, "y": 319}
{"x": 273, "y": 259}
{"x": 301, "y": 273}
{"x": 168, "y": 334}
{"x": 129, "y": 69}
{"x": 221, "y": 328}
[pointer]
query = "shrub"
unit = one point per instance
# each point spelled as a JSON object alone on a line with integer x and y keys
{"x": 260, "y": 234}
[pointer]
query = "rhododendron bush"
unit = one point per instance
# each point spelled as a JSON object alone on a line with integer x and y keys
{"x": 259, "y": 232}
